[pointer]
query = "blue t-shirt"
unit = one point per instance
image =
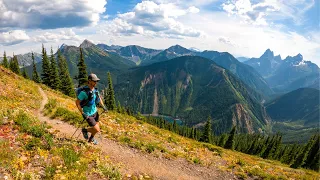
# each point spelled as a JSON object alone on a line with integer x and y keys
{"x": 90, "y": 108}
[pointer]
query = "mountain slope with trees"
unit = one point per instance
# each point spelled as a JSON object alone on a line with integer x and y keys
{"x": 296, "y": 114}
{"x": 192, "y": 88}
{"x": 45, "y": 153}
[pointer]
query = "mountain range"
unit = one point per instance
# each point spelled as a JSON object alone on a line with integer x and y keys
{"x": 192, "y": 85}
{"x": 193, "y": 88}
{"x": 286, "y": 75}
{"x": 25, "y": 59}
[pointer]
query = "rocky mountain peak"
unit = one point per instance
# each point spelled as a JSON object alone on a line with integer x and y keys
{"x": 268, "y": 54}
{"x": 178, "y": 49}
{"x": 86, "y": 44}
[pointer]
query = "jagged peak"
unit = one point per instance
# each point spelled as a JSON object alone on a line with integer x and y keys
{"x": 268, "y": 53}
{"x": 63, "y": 45}
{"x": 86, "y": 43}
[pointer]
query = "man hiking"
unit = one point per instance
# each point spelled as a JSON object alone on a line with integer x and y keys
{"x": 86, "y": 102}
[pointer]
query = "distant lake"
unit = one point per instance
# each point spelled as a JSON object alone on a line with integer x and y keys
{"x": 166, "y": 118}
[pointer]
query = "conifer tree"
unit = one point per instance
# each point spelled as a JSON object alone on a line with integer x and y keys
{"x": 5, "y": 60}
{"x": 222, "y": 140}
{"x": 24, "y": 73}
{"x": 206, "y": 136}
{"x": 55, "y": 82}
{"x": 119, "y": 107}
{"x": 312, "y": 160}
{"x": 66, "y": 81}
{"x": 35, "y": 75}
{"x": 230, "y": 142}
{"x": 82, "y": 76}
{"x": 46, "y": 70}
{"x": 303, "y": 155}
{"x": 110, "y": 99}
{"x": 14, "y": 65}
{"x": 174, "y": 126}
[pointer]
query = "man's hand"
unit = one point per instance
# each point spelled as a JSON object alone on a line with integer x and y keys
{"x": 105, "y": 109}
{"x": 84, "y": 116}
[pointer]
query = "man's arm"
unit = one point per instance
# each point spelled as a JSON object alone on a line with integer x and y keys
{"x": 102, "y": 104}
{"x": 79, "y": 106}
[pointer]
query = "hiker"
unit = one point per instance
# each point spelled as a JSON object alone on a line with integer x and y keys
{"x": 86, "y": 102}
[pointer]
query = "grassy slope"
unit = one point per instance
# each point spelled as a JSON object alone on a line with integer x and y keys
{"x": 29, "y": 149}
{"x": 119, "y": 127}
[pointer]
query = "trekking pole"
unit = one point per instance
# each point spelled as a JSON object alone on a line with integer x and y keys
{"x": 77, "y": 129}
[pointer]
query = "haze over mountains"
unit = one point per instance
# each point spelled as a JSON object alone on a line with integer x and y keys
{"x": 192, "y": 85}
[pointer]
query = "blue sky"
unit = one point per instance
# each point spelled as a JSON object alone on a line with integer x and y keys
{"x": 241, "y": 27}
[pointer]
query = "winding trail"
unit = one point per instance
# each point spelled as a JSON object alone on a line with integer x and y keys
{"x": 133, "y": 161}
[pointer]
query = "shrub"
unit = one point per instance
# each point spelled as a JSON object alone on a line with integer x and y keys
{"x": 111, "y": 172}
{"x": 69, "y": 156}
{"x": 150, "y": 148}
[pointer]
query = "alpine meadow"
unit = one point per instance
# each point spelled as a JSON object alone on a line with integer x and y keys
{"x": 157, "y": 89}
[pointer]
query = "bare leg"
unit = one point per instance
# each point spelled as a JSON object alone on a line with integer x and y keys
{"x": 94, "y": 130}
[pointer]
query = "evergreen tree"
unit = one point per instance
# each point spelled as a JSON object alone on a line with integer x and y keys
{"x": 206, "y": 136}
{"x": 312, "y": 160}
{"x": 271, "y": 147}
{"x": 174, "y": 126}
{"x": 119, "y": 107}
{"x": 24, "y": 73}
{"x": 110, "y": 99}
{"x": 14, "y": 65}
{"x": 46, "y": 70}
{"x": 82, "y": 76}
{"x": 5, "y": 60}
{"x": 303, "y": 155}
{"x": 315, "y": 163}
{"x": 106, "y": 92}
{"x": 66, "y": 81}
{"x": 230, "y": 142}
{"x": 35, "y": 75}
{"x": 55, "y": 82}
{"x": 222, "y": 140}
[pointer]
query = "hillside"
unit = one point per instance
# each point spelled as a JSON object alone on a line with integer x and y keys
{"x": 192, "y": 88}
{"x": 245, "y": 72}
{"x": 97, "y": 61}
{"x": 36, "y": 150}
{"x": 296, "y": 113}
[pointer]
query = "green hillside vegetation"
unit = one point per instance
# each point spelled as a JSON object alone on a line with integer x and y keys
{"x": 97, "y": 61}
{"x": 296, "y": 114}
{"x": 192, "y": 88}
{"x": 36, "y": 144}
{"x": 244, "y": 72}
{"x": 30, "y": 149}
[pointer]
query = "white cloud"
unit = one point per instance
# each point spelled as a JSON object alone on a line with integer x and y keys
{"x": 151, "y": 19}
{"x": 193, "y": 9}
{"x": 227, "y": 41}
{"x": 251, "y": 13}
{"x": 13, "y": 37}
{"x": 49, "y": 14}
{"x": 63, "y": 35}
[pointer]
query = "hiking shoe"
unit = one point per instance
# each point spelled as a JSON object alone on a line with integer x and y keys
{"x": 94, "y": 141}
{"x": 85, "y": 133}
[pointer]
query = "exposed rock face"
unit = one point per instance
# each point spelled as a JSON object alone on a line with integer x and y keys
{"x": 242, "y": 119}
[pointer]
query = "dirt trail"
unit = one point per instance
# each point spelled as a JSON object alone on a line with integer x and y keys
{"x": 136, "y": 162}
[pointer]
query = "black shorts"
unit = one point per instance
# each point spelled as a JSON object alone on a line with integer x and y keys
{"x": 92, "y": 120}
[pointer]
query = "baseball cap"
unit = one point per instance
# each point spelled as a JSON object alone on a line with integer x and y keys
{"x": 93, "y": 77}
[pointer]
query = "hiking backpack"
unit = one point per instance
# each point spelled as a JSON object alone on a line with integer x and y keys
{"x": 86, "y": 89}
